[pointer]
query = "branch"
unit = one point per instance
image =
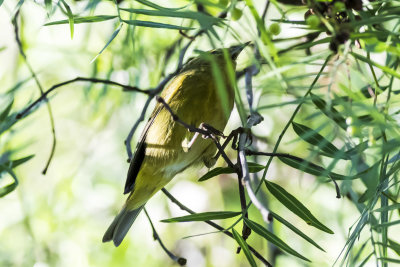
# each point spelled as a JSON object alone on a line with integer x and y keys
{"x": 49, "y": 110}
{"x": 254, "y": 119}
{"x": 44, "y": 95}
{"x": 179, "y": 260}
{"x": 216, "y": 226}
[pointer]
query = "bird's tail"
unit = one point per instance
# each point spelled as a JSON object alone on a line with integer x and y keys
{"x": 120, "y": 226}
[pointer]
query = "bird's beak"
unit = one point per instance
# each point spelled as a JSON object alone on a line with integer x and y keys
{"x": 234, "y": 51}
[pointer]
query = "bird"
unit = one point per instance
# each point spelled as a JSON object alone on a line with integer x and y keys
{"x": 162, "y": 150}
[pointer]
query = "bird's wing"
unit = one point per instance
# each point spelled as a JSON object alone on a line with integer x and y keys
{"x": 140, "y": 153}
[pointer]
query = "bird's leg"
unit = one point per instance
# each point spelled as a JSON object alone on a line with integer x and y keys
{"x": 233, "y": 135}
{"x": 211, "y": 130}
{"x": 206, "y": 127}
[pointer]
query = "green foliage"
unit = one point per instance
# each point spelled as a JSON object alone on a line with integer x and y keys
{"x": 205, "y": 216}
{"x": 7, "y": 165}
{"x": 328, "y": 89}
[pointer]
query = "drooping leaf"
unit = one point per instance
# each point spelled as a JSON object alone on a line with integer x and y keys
{"x": 169, "y": 13}
{"x": 204, "y": 20}
{"x": 115, "y": 33}
{"x": 48, "y": 5}
{"x": 253, "y": 167}
{"x": 395, "y": 246}
{"x": 6, "y": 111}
{"x": 395, "y": 206}
{"x": 78, "y": 20}
{"x": 295, "y": 229}
{"x": 7, "y": 123}
{"x": 10, "y": 187}
{"x": 294, "y": 205}
{"x": 385, "y": 69}
{"x": 155, "y": 6}
{"x": 16, "y": 162}
{"x": 242, "y": 243}
{"x": 387, "y": 224}
{"x": 373, "y": 20}
{"x": 314, "y": 138}
{"x": 311, "y": 168}
{"x": 205, "y": 216}
{"x": 152, "y": 24}
{"x": 330, "y": 112}
{"x": 262, "y": 231}
{"x": 70, "y": 18}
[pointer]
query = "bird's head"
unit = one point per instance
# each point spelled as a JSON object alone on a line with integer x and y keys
{"x": 219, "y": 55}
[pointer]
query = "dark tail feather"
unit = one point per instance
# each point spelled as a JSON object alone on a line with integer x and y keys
{"x": 120, "y": 226}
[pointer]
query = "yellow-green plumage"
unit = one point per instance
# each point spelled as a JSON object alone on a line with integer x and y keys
{"x": 160, "y": 154}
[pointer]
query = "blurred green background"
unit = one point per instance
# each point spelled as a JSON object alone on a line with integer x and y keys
{"x": 58, "y": 219}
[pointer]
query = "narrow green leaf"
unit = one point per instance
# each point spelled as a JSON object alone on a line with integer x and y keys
{"x": 155, "y": 6}
{"x": 205, "y": 216}
{"x": 1, "y": 2}
{"x": 115, "y": 33}
{"x": 372, "y": 20}
{"x": 78, "y": 20}
{"x": 366, "y": 259}
{"x": 395, "y": 246}
{"x": 387, "y": 224}
{"x": 262, "y": 231}
{"x": 331, "y": 112}
{"x": 6, "y": 111}
{"x": 169, "y": 13}
{"x": 204, "y": 20}
{"x": 314, "y": 138}
{"x": 395, "y": 206}
{"x": 253, "y": 167}
{"x": 294, "y": 229}
{"x": 244, "y": 247}
{"x": 391, "y": 260}
{"x": 8, "y": 188}
{"x": 7, "y": 123}
{"x": 16, "y": 162}
{"x": 290, "y": 202}
{"x": 295, "y": 22}
{"x": 152, "y": 24}
{"x": 358, "y": 149}
{"x": 368, "y": 194}
{"x": 311, "y": 168}
{"x": 48, "y": 5}
{"x": 383, "y": 68}
{"x": 70, "y": 18}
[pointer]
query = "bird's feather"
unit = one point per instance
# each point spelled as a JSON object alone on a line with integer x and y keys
{"x": 139, "y": 155}
{"x": 121, "y": 224}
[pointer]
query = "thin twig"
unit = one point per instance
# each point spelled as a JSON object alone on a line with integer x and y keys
{"x": 44, "y": 95}
{"x": 179, "y": 260}
{"x": 49, "y": 110}
{"x": 216, "y": 226}
{"x": 264, "y": 14}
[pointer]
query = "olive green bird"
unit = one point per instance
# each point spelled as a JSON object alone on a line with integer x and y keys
{"x": 161, "y": 153}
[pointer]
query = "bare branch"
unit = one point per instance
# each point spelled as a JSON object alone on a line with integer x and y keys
{"x": 179, "y": 260}
{"x": 44, "y": 95}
